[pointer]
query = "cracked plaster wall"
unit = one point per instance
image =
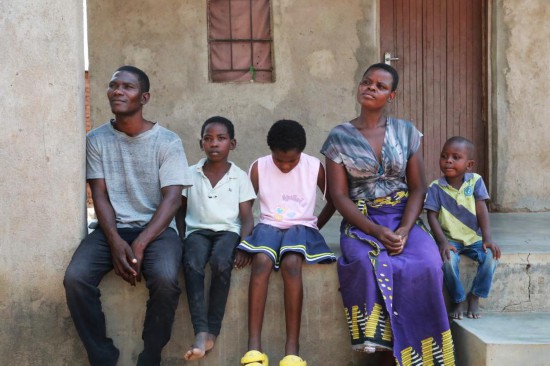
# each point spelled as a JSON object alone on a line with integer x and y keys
{"x": 520, "y": 134}
{"x": 42, "y": 189}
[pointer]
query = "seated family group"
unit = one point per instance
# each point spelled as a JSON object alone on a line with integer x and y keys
{"x": 155, "y": 213}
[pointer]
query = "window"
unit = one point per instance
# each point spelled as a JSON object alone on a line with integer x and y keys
{"x": 240, "y": 41}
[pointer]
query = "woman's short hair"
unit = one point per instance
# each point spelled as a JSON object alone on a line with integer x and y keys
{"x": 388, "y": 68}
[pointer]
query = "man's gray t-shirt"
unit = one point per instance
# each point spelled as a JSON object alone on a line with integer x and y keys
{"x": 135, "y": 169}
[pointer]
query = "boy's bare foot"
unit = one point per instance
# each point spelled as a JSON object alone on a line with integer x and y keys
{"x": 457, "y": 310}
{"x": 473, "y": 307}
{"x": 204, "y": 342}
{"x": 210, "y": 341}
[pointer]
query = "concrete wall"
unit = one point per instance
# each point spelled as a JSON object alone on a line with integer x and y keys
{"x": 320, "y": 52}
{"x": 520, "y": 108}
{"x": 41, "y": 176}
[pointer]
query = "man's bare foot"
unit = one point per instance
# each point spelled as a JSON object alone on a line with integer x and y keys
{"x": 473, "y": 307}
{"x": 204, "y": 342}
{"x": 457, "y": 310}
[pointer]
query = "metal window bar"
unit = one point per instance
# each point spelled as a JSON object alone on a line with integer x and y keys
{"x": 251, "y": 40}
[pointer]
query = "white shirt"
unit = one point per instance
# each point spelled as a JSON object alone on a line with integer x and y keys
{"x": 216, "y": 208}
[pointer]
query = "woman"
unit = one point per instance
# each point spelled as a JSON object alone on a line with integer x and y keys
{"x": 390, "y": 270}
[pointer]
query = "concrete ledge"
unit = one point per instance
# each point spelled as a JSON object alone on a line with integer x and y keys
{"x": 520, "y": 285}
{"x": 324, "y": 337}
{"x": 503, "y": 339}
{"x": 521, "y": 281}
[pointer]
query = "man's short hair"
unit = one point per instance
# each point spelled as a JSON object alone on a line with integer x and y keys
{"x": 141, "y": 75}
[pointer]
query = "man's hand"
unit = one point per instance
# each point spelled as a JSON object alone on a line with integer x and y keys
{"x": 242, "y": 259}
{"x": 123, "y": 260}
{"x": 494, "y": 248}
{"x": 138, "y": 249}
{"x": 445, "y": 251}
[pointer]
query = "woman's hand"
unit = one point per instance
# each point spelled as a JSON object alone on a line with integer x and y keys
{"x": 404, "y": 234}
{"x": 392, "y": 241}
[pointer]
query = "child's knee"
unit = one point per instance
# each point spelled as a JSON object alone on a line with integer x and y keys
{"x": 219, "y": 264}
{"x": 261, "y": 264}
{"x": 489, "y": 260}
{"x": 291, "y": 265}
{"x": 453, "y": 260}
{"x": 451, "y": 265}
{"x": 190, "y": 265}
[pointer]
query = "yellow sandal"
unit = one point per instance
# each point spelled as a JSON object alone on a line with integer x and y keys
{"x": 255, "y": 358}
{"x": 292, "y": 360}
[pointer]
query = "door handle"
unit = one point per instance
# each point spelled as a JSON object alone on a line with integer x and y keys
{"x": 388, "y": 59}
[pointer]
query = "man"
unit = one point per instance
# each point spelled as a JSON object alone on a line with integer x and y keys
{"x": 136, "y": 170}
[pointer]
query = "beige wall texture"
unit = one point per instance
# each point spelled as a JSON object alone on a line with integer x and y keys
{"x": 320, "y": 52}
{"x": 520, "y": 105}
{"x": 42, "y": 211}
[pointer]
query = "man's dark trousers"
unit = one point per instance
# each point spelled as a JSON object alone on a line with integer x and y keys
{"x": 91, "y": 261}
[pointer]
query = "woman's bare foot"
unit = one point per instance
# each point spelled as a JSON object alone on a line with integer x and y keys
{"x": 204, "y": 342}
{"x": 473, "y": 307}
{"x": 457, "y": 310}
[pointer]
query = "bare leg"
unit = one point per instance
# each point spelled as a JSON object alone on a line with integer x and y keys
{"x": 262, "y": 267}
{"x": 291, "y": 271}
{"x": 473, "y": 307}
{"x": 457, "y": 310}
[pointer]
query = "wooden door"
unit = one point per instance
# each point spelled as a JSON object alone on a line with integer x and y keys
{"x": 440, "y": 47}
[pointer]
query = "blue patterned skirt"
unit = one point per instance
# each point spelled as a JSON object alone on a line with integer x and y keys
{"x": 275, "y": 242}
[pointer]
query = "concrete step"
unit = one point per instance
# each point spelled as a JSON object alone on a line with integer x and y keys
{"x": 521, "y": 283}
{"x": 522, "y": 278}
{"x": 503, "y": 339}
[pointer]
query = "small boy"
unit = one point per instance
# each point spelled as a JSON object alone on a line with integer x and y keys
{"x": 458, "y": 217}
{"x": 216, "y": 213}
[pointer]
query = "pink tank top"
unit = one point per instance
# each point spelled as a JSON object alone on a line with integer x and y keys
{"x": 288, "y": 199}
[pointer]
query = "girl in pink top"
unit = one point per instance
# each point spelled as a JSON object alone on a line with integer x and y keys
{"x": 288, "y": 233}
